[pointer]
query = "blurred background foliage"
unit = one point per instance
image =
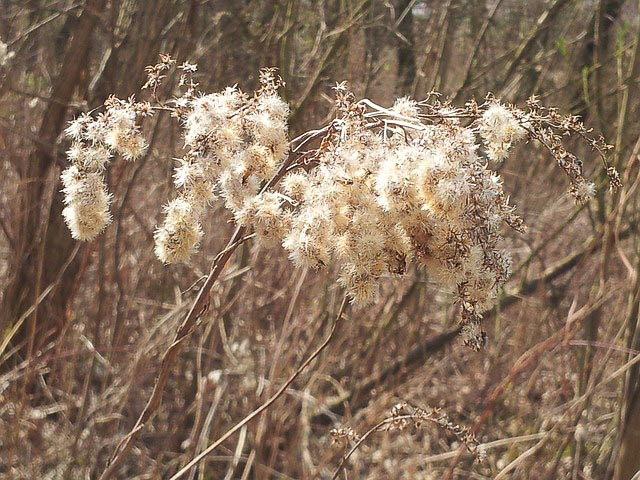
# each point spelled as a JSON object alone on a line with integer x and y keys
{"x": 556, "y": 393}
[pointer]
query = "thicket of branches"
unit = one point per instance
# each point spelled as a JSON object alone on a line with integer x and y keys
{"x": 233, "y": 362}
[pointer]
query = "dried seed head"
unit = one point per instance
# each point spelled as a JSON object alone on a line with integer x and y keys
{"x": 499, "y": 130}
{"x": 87, "y": 203}
{"x": 180, "y": 233}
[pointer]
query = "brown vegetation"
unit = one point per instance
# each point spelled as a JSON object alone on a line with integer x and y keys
{"x": 87, "y": 328}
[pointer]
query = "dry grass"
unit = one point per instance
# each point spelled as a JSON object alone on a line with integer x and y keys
{"x": 545, "y": 397}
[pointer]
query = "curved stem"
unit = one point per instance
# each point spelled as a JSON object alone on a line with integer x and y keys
{"x": 269, "y": 402}
{"x": 199, "y": 308}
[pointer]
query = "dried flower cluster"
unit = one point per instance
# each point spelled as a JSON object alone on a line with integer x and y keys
{"x": 548, "y": 127}
{"x": 383, "y": 186}
{"x": 234, "y": 143}
{"x": 404, "y": 415}
{"x": 5, "y": 54}
{"x": 499, "y": 130}
{"x": 383, "y": 192}
{"x": 94, "y": 142}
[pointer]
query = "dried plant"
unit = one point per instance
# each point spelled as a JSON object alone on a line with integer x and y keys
{"x": 94, "y": 141}
{"x": 5, "y": 54}
{"x": 383, "y": 187}
{"x": 371, "y": 191}
{"x": 405, "y": 416}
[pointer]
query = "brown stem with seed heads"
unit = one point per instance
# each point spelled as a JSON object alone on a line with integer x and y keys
{"x": 360, "y": 441}
{"x": 199, "y": 308}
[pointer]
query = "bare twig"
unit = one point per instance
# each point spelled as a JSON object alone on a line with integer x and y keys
{"x": 380, "y": 425}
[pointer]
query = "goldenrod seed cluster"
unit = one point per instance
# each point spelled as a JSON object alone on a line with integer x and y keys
{"x": 94, "y": 142}
{"x": 500, "y": 130}
{"x": 380, "y": 196}
{"x": 234, "y": 144}
{"x": 373, "y": 190}
{"x": 87, "y": 202}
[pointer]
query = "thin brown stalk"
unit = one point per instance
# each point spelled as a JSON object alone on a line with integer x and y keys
{"x": 270, "y": 401}
{"x": 475, "y": 49}
{"x": 561, "y": 337}
{"x": 199, "y": 308}
{"x": 364, "y": 437}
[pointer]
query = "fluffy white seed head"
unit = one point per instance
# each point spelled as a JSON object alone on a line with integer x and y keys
{"x": 309, "y": 240}
{"x": 200, "y": 195}
{"x": 583, "y": 190}
{"x": 77, "y": 127}
{"x": 209, "y": 112}
{"x": 500, "y": 129}
{"x": 93, "y": 157}
{"x": 295, "y": 185}
{"x": 236, "y": 188}
{"x": 406, "y": 107}
{"x": 180, "y": 233}
{"x": 265, "y": 215}
{"x": 86, "y": 222}
{"x": 127, "y": 142}
{"x": 258, "y": 160}
{"x": 274, "y": 106}
{"x": 87, "y": 203}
